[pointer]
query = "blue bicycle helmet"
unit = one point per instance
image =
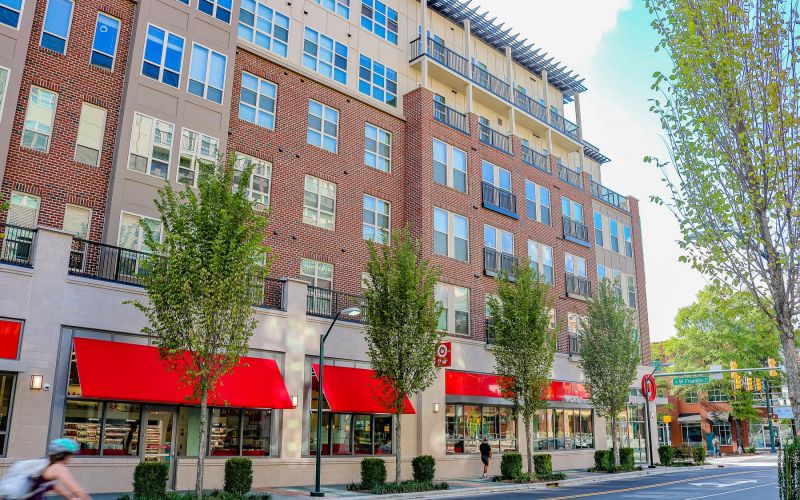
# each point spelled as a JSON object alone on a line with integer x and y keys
{"x": 63, "y": 445}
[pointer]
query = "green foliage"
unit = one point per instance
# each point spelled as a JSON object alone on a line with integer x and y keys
{"x": 524, "y": 345}
{"x": 150, "y": 481}
{"x": 603, "y": 460}
{"x": 750, "y": 450}
{"x": 216, "y": 495}
{"x": 609, "y": 354}
{"x": 238, "y": 475}
{"x": 543, "y": 465}
{"x": 511, "y": 465}
{"x": 699, "y": 455}
{"x": 626, "y": 460}
{"x": 401, "y": 318}
{"x": 424, "y": 467}
{"x": 789, "y": 471}
{"x": 407, "y": 487}
{"x": 665, "y": 455}
{"x": 373, "y": 472}
{"x": 682, "y": 452}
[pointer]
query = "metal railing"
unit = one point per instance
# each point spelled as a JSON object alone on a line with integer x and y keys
{"x": 494, "y": 262}
{"x": 535, "y": 159}
{"x": 563, "y": 125}
{"x": 107, "y": 262}
{"x": 570, "y": 176}
{"x": 578, "y": 285}
{"x": 450, "y": 117}
{"x": 442, "y": 55}
{"x": 495, "y": 197}
{"x": 495, "y": 139}
{"x": 575, "y": 229}
{"x": 574, "y": 344}
{"x": 326, "y": 303}
{"x": 606, "y": 195}
{"x": 530, "y": 105}
{"x": 17, "y": 244}
{"x": 490, "y": 82}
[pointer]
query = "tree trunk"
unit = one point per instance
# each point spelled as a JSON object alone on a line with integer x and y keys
{"x": 397, "y": 449}
{"x": 792, "y": 364}
{"x": 614, "y": 444}
{"x": 201, "y": 453}
{"x": 528, "y": 443}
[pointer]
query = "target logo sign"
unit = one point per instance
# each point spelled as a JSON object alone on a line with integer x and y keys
{"x": 444, "y": 354}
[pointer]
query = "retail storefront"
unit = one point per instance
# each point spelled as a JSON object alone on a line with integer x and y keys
{"x": 10, "y": 337}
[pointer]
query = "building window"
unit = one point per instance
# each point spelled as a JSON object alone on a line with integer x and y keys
{"x": 466, "y": 426}
{"x": 131, "y": 234}
{"x": 571, "y": 209}
{"x": 563, "y": 429}
{"x": 325, "y": 56}
{"x": 257, "y": 101}
{"x": 573, "y": 323}
{"x": 106, "y": 37}
{"x": 496, "y": 176}
{"x": 319, "y": 203}
{"x": 163, "y": 56}
{"x": 377, "y": 217}
{"x": 690, "y": 396}
{"x": 377, "y": 81}
{"x": 151, "y": 146}
{"x": 57, "y": 18}
{"x": 197, "y": 152}
{"x": 450, "y": 234}
{"x": 498, "y": 240}
{"x": 537, "y": 202}
{"x": 77, "y": 220}
{"x": 455, "y": 308}
{"x": 722, "y": 430}
{"x": 717, "y": 395}
{"x": 575, "y": 265}
{"x": 221, "y": 9}
{"x": 7, "y": 388}
{"x": 613, "y": 229}
{"x": 260, "y": 178}
{"x": 626, "y": 232}
{"x": 692, "y": 433}
{"x": 3, "y": 83}
{"x": 323, "y": 126}
{"x": 91, "y": 127}
{"x": 10, "y": 12}
{"x": 264, "y": 27}
{"x": 103, "y": 428}
{"x": 631, "y": 292}
{"x": 341, "y": 7}
{"x": 541, "y": 260}
{"x": 377, "y": 148}
{"x": 39, "y": 119}
{"x": 616, "y": 278}
{"x": 449, "y": 166}
{"x": 207, "y": 73}
{"x": 598, "y": 229}
{"x": 23, "y": 210}
{"x": 379, "y": 19}
{"x": 316, "y": 273}
{"x": 601, "y": 272}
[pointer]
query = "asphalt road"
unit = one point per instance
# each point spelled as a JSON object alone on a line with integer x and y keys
{"x": 729, "y": 483}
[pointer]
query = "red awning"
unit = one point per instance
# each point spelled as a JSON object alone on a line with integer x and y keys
{"x": 132, "y": 372}
{"x": 10, "y": 332}
{"x": 567, "y": 391}
{"x": 356, "y": 390}
{"x": 486, "y": 385}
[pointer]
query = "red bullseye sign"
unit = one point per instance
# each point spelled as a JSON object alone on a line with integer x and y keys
{"x": 649, "y": 387}
{"x": 443, "y": 354}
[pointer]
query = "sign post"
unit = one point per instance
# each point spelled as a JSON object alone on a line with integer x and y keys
{"x": 649, "y": 393}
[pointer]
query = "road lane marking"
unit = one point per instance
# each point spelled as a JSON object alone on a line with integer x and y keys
{"x": 725, "y": 485}
{"x": 729, "y": 492}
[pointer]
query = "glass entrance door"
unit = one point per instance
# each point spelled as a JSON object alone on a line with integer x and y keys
{"x": 159, "y": 437}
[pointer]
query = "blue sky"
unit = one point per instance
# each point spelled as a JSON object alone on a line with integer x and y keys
{"x": 610, "y": 43}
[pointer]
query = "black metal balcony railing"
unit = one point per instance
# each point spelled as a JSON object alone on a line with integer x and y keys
{"x": 326, "y": 303}
{"x": 107, "y": 262}
{"x": 489, "y": 325}
{"x": 495, "y": 139}
{"x": 450, "y": 117}
{"x": 570, "y": 176}
{"x": 606, "y": 195}
{"x": 494, "y": 262}
{"x": 495, "y": 198}
{"x": 575, "y": 229}
{"x": 535, "y": 159}
{"x": 574, "y": 344}
{"x": 490, "y": 82}
{"x": 578, "y": 285}
{"x": 563, "y": 125}
{"x": 16, "y": 245}
{"x": 530, "y": 105}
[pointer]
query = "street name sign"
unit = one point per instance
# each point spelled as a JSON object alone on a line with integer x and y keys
{"x": 690, "y": 380}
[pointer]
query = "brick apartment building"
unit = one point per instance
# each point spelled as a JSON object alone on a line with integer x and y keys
{"x": 356, "y": 125}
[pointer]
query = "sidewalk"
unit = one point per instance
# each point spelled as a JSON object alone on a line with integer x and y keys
{"x": 758, "y": 460}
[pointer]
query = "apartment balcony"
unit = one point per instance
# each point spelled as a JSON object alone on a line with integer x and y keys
{"x": 450, "y": 117}
{"x": 575, "y": 231}
{"x": 578, "y": 286}
{"x": 327, "y": 303}
{"x": 530, "y": 106}
{"x": 495, "y": 139}
{"x": 499, "y": 200}
{"x": 494, "y": 262}
{"x": 574, "y": 344}
{"x": 564, "y": 126}
{"x": 535, "y": 159}
{"x": 16, "y": 246}
{"x": 570, "y": 176}
{"x": 441, "y": 54}
{"x": 489, "y": 82}
{"x": 609, "y": 197}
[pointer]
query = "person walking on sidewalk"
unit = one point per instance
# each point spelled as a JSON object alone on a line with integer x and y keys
{"x": 715, "y": 443}
{"x": 486, "y": 454}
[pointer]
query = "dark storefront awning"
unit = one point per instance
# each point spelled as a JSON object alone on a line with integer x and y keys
{"x": 718, "y": 416}
{"x": 131, "y": 372}
{"x": 356, "y": 390}
{"x": 689, "y": 417}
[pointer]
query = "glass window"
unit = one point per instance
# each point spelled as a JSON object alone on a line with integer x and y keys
{"x": 692, "y": 433}
{"x": 163, "y": 56}
{"x": 224, "y": 437}
{"x": 23, "y": 210}
{"x": 82, "y": 422}
{"x": 690, "y": 396}
{"x": 324, "y": 55}
{"x": 467, "y": 425}
{"x": 207, "y": 73}
{"x": 383, "y": 435}
{"x": 91, "y": 127}
{"x": 455, "y": 308}
{"x": 377, "y": 217}
{"x": 151, "y": 146}
{"x": 379, "y": 19}
{"x": 450, "y": 234}
{"x": 257, "y": 101}
{"x": 106, "y": 37}
{"x": 197, "y": 151}
{"x": 3, "y": 79}
{"x": 316, "y": 273}
{"x": 723, "y": 431}
{"x": 377, "y": 148}
{"x": 632, "y": 292}
{"x": 76, "y": 221}
{"x": 449, "y": 166}
{"x": 57, "y": 18}
{"x": 541, "y": 260}
{"x": 616, "y": 278}
{"x": 716, "y": 394}
{"x": 264, "y": 27}
{"x": 341, "y": 7}
{"x": 601, "y": 272}
{"x": 496, "y": 176}
{"x": 7, "y": 383}
{"x": 323, "y": 126}
{"x": 10, "y": 12}
{"x": 362, "y": 435}
{"x": 221, "y": 9}
{"x": 39, "y": 119}
{"x": 341, "y": 433}
{"x": 571, "y": 210}
{"x": 598, "y": 229}
{"x": 319, "y": 203}
{"x": 498, "y": 239}
{"x": 613, "y": 229}
{"x": 260, "y": 178}
{"x": 575, "y": 265}
{"x": 563, "y": 429}
{"x": 537, "y": 202}
{"x": 121, "y": 429}
{"x": 377, "y": 81}
{"x": 131, "y": 234}
{"x": 626, "y": 232}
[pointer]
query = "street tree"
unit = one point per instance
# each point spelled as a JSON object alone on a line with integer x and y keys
{"x": 523, "y": 343}
{"x": 729, "y": 110}
{"x": 202, "y": 279}
{"x": 609, "y": 355}
{"x": 401, "y": 318}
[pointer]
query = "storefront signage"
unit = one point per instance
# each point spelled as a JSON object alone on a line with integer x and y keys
{"x": 444, "y": 353}
{"x": 690, "y": 380}
{"x": 649, "y": 387}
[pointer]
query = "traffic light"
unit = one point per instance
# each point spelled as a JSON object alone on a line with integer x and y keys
{"x": 734, "y": 366}
{"x": 759, "y": 385}
{"x": 737, "y": 381}
{"x": 749, "y": 382}
{"x": 772, "y": 364}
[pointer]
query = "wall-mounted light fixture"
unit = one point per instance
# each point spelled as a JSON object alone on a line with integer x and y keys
{"x": 37, "y": 382}
{"x": 294, "y": 401}
{"x": 435, "y": 407}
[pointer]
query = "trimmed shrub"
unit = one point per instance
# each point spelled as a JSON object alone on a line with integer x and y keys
{"x": 604, "y": 460}
{"x": 682, "y": 452}
{"x": 789, "y": 471}
{"x": 408, "y": 487}
{"x": 665, "y": 455}
{"x": 238, "y": 475}
{"x": 373, "y": 473}
{"x": 543, "y": 465}
{"x": 424, "y": 468}
{"x": 626, "y": 460}
{"x": 750, "y": 450}
{"x": 150, "y": 480}
{"x": 699, "y": 455}
{"x": 511, "y": 465}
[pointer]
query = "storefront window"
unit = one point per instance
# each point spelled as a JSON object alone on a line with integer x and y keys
{"x": 723, "y": 431}
{"x": 256, "y": 428}
{"x": 563, "y": 429}
{"x": 692, "y": 433}
{"x": 224, "y": 432}
{"x": 467, "y": 425}
{"x": 351, "y": 434}
{"x": 82, "y": 422}
{"x": 341, "y": 434}
{"x": 383, "y": 435}
{"x": 121, "y": 429}
{"x": 362, "y": 435}
{"x": 7, "y": 381}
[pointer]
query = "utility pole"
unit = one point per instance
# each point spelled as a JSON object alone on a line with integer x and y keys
{"x": 769, "y": 416}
